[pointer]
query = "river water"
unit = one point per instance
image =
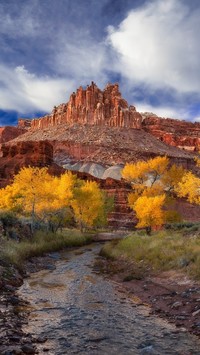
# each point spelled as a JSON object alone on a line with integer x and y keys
{"x": 81, "y": 312}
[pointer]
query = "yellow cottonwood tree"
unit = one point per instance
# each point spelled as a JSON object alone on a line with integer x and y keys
{"x": 53, "y": 200}
{"x": 189, "y": 187}
{"x": 30, "y": 185}
{"x": 87, "y": 203}
{"x": 149, "y": 211}
{"x": 151, "y": 179}
{"x": 36, "y": 193}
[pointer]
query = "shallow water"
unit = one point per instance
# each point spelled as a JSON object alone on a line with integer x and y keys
{"x": 80, "y": 312}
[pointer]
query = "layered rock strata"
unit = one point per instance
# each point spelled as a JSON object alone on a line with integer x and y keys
{"x": 8, "y": 133}
{"x": 28, "y": 153}
{"x": 180, "y": 134}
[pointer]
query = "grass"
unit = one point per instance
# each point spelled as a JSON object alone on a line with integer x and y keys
{"x": 17, "y": 252}
{"x": 165, "y": 250}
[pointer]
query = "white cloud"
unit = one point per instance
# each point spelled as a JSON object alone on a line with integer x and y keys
{"x": 23, "y": 91}
{"x": 158, "y": 44}
{"x": 83, "y": 58}
{"x": 163, "y": 111}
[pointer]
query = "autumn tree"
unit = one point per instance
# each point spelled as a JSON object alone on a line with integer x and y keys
{"x": 149, "y": 211}
{"x": 152, "y": 182}
{"x": 87, "y": 204}
{"x": 37, "y": 194}
{"x": 54, "y": 201}
{"x": 189, "y": 187}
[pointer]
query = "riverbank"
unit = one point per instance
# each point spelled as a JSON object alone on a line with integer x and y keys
{"x": 171, "y": 295}
{"x": 160, "y": 278}
{"x": 17, "y": 261}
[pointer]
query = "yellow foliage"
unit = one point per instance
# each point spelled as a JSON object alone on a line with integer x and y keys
{"x": 189, "y": 187}
{"x": 87, "y": 203}
{"x": 32, "y": 188}
{"x": 149, "y": 211}
{"x": 154, "y": 190}
{"x": 157, "y": 166}
{"x": 34, "y": 192}
{"x": 172, "y": 176}
{"x": 9, "y": 198}
{"x": 146, "y": 173}
{"x": 150, "y": 181}
{"x": 135, "y": 173}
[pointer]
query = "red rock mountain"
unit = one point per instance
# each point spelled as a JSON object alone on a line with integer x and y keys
{"x": 97, "y": 132}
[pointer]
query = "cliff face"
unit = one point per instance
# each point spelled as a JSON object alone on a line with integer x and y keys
{"x": 8, "y": 133}
{"x": 94, "y": 107}
{"x": 16, "y": 156}
{"x": 181, "y": 134}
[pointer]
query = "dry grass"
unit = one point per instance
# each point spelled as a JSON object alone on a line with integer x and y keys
{"x": 17, "y": 252}
{"x": 161, "y": 252}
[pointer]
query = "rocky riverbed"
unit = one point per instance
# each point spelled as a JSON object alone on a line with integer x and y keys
{"x": 69, "y": 307}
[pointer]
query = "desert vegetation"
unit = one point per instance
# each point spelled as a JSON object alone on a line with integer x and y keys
{"x": 177, "y": 248}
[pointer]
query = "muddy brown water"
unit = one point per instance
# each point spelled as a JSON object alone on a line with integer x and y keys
{"x": 79, "y": 311}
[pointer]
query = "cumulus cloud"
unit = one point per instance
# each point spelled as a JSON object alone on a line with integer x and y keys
{"x": 23, "y": 91}
{"x": 163, "y": 111}
{"x": 158, "y": 44}
{"x": 82, "y": 58}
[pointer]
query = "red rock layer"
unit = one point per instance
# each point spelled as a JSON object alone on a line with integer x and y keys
{"x": 94, "y": 107}
{"x": 21, "y": 154}
{"x": 181, "y": 134}
{"x": 8, "y": 133}
{"x": 24, "y": 123}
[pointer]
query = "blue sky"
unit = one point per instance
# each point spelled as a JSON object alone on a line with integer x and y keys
{"x": 51, "y": 47}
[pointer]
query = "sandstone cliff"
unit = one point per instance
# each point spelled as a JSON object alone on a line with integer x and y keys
{"x": 8, "y": 133}
{"x": 94, "y": 107}
{"x": 181, "y": 134}
{"x": 22, "y": 154}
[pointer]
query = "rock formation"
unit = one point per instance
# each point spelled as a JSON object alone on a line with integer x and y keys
{"x": 16, "y": 156}
{"x": 181, "y": 134}
{"x": 94, "y": 107}
{"x": 8, "y": 133}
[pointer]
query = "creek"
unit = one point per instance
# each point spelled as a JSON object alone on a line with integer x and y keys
{"x": 79, "y": 311}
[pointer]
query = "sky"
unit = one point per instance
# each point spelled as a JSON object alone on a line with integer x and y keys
{"x": 51, "y": 47}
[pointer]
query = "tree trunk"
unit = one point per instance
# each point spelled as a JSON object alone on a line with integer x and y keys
{"x": 148, "y": 230}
